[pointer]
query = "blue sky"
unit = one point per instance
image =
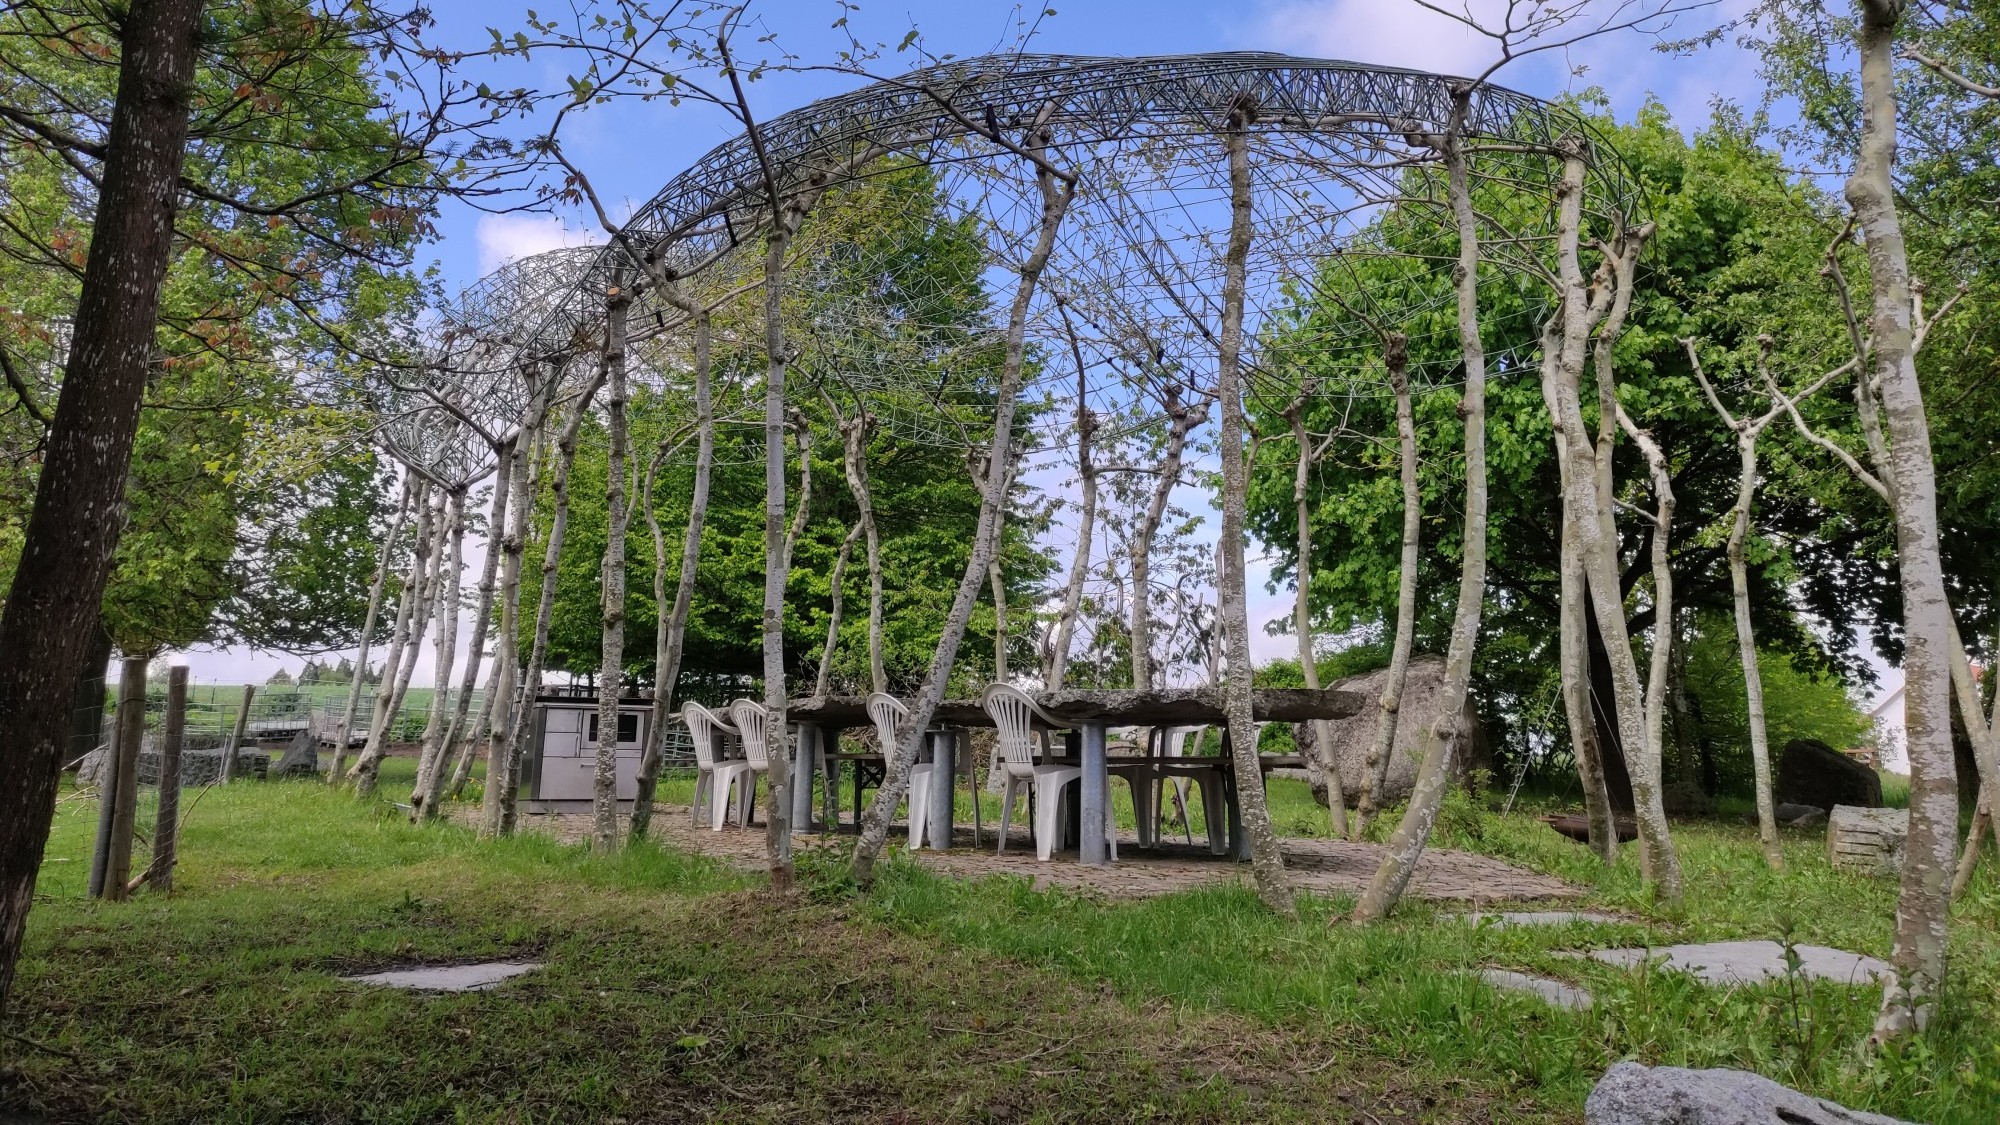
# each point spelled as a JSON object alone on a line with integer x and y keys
{"x": 629, "y": 150}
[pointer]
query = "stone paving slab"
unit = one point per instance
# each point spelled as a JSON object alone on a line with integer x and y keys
{"x": 1508, "y": 918}
{"x": 1553, "y": 991}
{"x": 1752, "y": 962}
{"x": 1317, "y": 865}
{"x": 449, "y": 978}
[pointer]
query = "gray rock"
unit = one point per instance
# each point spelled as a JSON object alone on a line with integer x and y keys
{"x": 1868, "y": 840}
{"x": 1799, "y": 816}
{"x": 1355, "y": 734}
{"x": 90, "y": 767}
{"x": 1631, "y": 1094}
{"x": 301, "y": 757}
{"x": 1751, "y": 962}
{"x": 1553, "y": 991}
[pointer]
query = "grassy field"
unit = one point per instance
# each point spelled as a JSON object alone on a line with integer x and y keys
{"x": 677, "y": 990}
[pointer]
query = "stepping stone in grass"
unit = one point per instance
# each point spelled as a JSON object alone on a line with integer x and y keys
{"x": 449, "y": 978}
{"x": 1752, "y": 962}
{"x": 1553, "y": 991}
{"x": 1506, "y": 918}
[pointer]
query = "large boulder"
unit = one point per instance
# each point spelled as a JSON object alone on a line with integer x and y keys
{"x": 1353, "y": 735}
{"x": 301, "y": 757}
{"x": 1812, "y": 773}
{"x": 1631, "y": 1094}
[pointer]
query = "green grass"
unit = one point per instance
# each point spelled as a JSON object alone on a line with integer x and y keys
{"x": 675, "y": 991}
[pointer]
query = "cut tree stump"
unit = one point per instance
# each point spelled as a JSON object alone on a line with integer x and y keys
{"x": 1867, "y": 839}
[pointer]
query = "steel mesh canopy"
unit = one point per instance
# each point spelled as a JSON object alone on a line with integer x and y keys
{"x": 1335, "y": 145}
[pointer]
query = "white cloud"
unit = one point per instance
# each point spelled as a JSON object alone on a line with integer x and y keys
{"x": 506, "y": 238}
{"x": 1371, "y": 31}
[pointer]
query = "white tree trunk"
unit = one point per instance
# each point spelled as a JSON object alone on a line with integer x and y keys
{"x": 1746, "y": 648}
{"x": 500, "y": 693}
{"x": 611, "y": 669}
{"x": 1406, "y": 844}
{"x": 1396, "y": 358}
{"x": 342, "y": 730}
{"x": 403, "y": 648}
{"x": 1267, "y": 862}
{"x": 1181, "y": 420}
{"x": 430, "y": 757}
{"x": 1056, "y": 198}
{"x": 459, "y": 737}
{"x": 672, "y": 627}
{"x": 854, "y": 460}
{"x": 1336, "y": 800}
{"x": 1923, "y": 903}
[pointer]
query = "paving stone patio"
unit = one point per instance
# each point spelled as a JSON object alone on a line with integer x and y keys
{"x": 1321, "y": 866}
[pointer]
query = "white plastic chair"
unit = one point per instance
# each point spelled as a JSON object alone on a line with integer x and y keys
{"x": 889, "y": 713}
{"x": 748, "y": 716}
{"x": 1014, "y": 713}
{"x": 715, "y": 776}
{"x": 1176, "y": 742}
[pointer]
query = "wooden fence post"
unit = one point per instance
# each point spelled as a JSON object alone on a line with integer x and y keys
{"x": 121, "y": 784}
{"x": 236, "y": 737}
{"x": 166, "y": 821}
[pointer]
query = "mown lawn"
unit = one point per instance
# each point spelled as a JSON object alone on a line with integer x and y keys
{"x": 676, "y": 989}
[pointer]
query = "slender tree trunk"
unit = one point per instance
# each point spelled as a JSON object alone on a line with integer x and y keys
{"x": 854, "y": 460}
{"x": 1056, "y": 197}
{"x": 509, "y": 710}
{"x": 1746, "y": 648}
{"x": 72, "y": 532}
{"x": 1661, "y": 657}
{"x": 1329, "y": 764}
{"x": 496, "y": 721}
{"x": 823, "y": 683}
{"x": 343, "y": 730}
{"x": 538, "y": 651}
{"x": 997, "y": 581}
{"x": 1181, "y": 420}
{"x": 1086, "y": 528}
{"x": 611, "y": 674}
{"x": 1267, "y": 862}
{"x": 672, "y": 629}
{"x": 777, "y": 555}
{"x": 1984, "y": 732}
{"x": 404, "y": 643}
{"x": 1396, "y": 358}
{"x": 436, "y": 725}
{"x": 459, "y": 737}
{"x": 482, "y": 725}
{"x": 1923, "y": 903}
{"x": 119, "y": 794}
{"x": 1440, "y": 739}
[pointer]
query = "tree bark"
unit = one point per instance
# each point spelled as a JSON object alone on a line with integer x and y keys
{"x": 611, "y": 668}
{"x": 503, "y": 746}
{"x": 1406, "y": 844}
{"x": 342, "y": 730}
{"x": 672, "y": 628}
{"x": 823, "y": 682}
{"x": 1336, "y": 801}
{"x": 72, "y": 532}
{"x": 538, "y": 649}
{"x": 404, "y": 644}
{"x": 118, "y": 793}
{"x": 1661, "y": 658}
{"x": 459, "y": 736}
{"x": 854, "y": 460}
{"x": 1056, "y": 194}
{"x": 1746, "y": 647}
{"x": 1181, "y": 420}
{"x": 436, "y": 727}
{"x": 236, "y": 734}
{"x": 1396, "y": 358}
{"x": 1267, "y": 862}
{"x": 1086, "y": 528}
{"x": 1923, "y": 903}
{"x": 167, "y": 815}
